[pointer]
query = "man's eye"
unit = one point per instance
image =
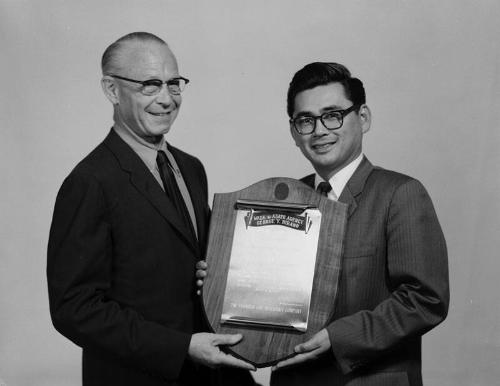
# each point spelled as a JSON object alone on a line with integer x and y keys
{"x": 306, "y": 120}
{"x": 153, "y": 83}
{"x": 174, "y": 82}
{"x": 331, "y": 116}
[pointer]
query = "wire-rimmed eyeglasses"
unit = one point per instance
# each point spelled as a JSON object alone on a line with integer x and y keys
{"x": 153, "y": 86}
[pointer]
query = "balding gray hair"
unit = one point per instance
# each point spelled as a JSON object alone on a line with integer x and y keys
{"x": 109, "y": 58}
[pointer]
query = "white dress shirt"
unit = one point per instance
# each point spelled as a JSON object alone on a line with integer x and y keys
{"x": 339, "y": 180}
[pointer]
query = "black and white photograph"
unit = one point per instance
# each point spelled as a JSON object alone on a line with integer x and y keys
{"x": 135, "y": 133}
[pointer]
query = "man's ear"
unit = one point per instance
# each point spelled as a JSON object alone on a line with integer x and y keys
{"x": 110, "y": 90}
{"x": 365, "y": 116}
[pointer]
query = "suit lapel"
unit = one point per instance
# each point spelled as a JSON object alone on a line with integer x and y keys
{"x": 145, "y": 183}
{"x": 355, "y": 185}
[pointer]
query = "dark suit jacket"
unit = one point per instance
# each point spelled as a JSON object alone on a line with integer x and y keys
{"x": 393, "y": 286}
{"x": 121, "y": 268}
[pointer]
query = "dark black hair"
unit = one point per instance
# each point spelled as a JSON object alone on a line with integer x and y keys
{"x": 319, "y": 74}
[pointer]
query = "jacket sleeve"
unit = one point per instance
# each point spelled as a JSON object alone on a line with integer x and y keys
{"x": 417, "y": 271}
{"x": 79, "y": 273}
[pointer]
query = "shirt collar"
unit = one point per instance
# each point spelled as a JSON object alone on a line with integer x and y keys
{"x": 145, "y": 150}
{"x": 340, "y": 179}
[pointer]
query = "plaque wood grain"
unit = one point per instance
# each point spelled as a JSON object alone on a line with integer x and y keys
{"x": 264, "y": 346}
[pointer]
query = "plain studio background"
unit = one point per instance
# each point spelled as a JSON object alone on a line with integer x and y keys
{"x": 431, "y": 71}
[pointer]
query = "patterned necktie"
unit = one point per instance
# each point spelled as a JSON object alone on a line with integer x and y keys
{"x": 172, "y": 189}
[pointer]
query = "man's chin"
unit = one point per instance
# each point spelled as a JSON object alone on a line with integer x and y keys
{"x": 155, "y": 136}
{"x": 160, "y": 130}
{"x": 322, "y": 160}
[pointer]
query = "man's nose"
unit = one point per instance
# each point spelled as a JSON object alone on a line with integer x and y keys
{"x": 320, "y": 129}
{"x": 164, "y": 96}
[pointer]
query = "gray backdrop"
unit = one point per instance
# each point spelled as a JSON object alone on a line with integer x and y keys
{"x": 431, "y": 71}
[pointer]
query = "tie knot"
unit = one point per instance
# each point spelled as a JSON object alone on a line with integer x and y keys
{"x": 324, "y": 188}
{"x": 162, "y": 159}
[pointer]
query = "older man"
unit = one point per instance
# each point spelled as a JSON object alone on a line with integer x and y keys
{"x": 129, "y": 224}
{"x": 394, "y": 282}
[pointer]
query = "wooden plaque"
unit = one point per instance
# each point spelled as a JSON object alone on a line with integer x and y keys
{"x": 265, "y": 346}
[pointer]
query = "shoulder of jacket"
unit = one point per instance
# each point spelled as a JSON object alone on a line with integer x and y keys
{"x": 380, "y": 175}
{"x": 99, "y": 162}
{"x": 182, "y": 156}
{"x": 309, "y": 177}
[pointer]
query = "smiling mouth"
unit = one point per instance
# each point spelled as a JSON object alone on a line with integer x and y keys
{"x": 160, "y": 114}
{"x": 323, "y": 146}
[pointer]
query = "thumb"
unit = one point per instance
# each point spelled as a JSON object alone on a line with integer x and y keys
{"x": 226, "y": 339}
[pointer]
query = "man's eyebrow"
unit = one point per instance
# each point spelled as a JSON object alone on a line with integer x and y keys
{"x": 151, "y": 77}
{"x": 322, "y": 110}
{"x": 157, "y": 77}
{"x": 332, "y": 108}
{"x": 303, "y": 114}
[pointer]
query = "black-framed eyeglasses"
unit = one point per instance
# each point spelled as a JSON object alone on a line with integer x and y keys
{"x": 153, "y": 86}
{"x": 332, "y": 120}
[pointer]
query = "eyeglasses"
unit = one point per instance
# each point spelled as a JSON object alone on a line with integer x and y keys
{"x": 332, "y": 120}
{"x": 153, "y": 86}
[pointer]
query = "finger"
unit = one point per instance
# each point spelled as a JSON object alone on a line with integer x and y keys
{"x": 300, "y": 358}
{"x": 229, "y": 360}
{"x": 202, "y": 264}
{"x": 306, "y": 346}
{"x": 199, "y": 283}
{"x": 286, "y": 362}
{"x": 226, "y": 339}
{"x": 200, "y": 274}
{"x": 198, "y": 292}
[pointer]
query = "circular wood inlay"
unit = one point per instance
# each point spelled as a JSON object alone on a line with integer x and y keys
{"x": 281, "y": 191}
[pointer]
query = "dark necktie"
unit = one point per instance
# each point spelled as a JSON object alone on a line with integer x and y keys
{"x": 324, "y": 188}
{"x": 172, "y": 189}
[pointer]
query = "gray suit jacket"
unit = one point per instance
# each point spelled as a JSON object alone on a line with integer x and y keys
{"x": 393, "y": 286}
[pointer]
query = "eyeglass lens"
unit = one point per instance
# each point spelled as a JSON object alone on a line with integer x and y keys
{"x": 154, "y": 86}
